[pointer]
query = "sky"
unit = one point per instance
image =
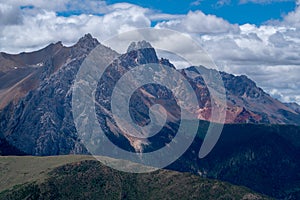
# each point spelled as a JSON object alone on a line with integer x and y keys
{"x": 258, "y": 38}
{"x": 235, "y": 11}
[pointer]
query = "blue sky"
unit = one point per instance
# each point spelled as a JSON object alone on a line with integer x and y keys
{"x": 234, "y": 11}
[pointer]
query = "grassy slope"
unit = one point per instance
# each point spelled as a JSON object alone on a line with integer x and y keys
{"x": 16, "y": 170}
{"x": 85, "y": 178}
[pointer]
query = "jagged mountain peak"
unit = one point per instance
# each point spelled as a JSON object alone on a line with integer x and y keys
{"x": 87, "y": 41}
{"x": 86, "y": 37}
{"x": 141, "y": 52}
{"x": 139, "y": 45}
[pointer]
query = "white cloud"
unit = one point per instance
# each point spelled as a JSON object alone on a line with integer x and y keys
{"x": 198, "y": 22}
{"x": 44, "y": 26}
{"x": 222, "y": 3}
{"x": 161, "y": 16}
{"x": 196, "y": 3}
{"x": 293, "y": 18}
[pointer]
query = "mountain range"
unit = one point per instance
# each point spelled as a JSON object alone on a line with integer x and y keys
{"x": 260, "y": 136}
{"x": 34, "y": 81}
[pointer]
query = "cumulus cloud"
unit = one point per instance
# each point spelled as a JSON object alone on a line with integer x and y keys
{"x": 198, "y": 22}
{"x": 255, "y": 46}
{"x": 40, "y": 27}
{"x": 293, "y": 18}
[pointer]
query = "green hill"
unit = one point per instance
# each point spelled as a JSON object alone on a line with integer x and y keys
{"x": 82, "y": 177}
